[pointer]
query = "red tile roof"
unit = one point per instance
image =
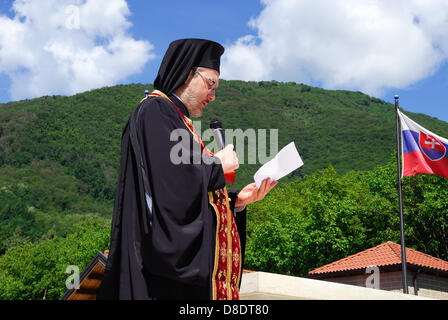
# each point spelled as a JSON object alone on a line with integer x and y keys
{"x": 386, "y": 254}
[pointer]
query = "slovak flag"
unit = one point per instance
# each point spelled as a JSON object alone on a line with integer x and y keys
{"x": 423, "y": 151}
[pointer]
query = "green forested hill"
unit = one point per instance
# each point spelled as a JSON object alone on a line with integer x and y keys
{"x": 348, "y": 130}
{"x": 59, "y": 158}
{"x": 59, "y": 155}
{"x": 81, "y": 133}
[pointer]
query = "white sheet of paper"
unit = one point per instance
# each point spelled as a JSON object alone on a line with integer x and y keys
{"x": 286, "y": 161}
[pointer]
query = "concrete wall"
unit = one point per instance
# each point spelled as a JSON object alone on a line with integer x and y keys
{"x": 269, "y": 286}
{"x": 427, "y": 285}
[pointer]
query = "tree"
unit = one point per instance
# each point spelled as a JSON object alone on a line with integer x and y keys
{"x": 326, "y": 216}
{"x": 34, "y": 271}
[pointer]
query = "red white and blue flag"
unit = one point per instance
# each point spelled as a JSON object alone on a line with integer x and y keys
{"x": 423, "y": 151}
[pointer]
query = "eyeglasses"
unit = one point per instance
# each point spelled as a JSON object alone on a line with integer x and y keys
{"x": 211, "y": 86}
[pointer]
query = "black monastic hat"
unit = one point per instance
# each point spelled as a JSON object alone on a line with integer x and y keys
{"x": 183, "y": 55}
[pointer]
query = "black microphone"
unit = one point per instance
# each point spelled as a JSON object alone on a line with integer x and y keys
{"x": 216, "y": 126}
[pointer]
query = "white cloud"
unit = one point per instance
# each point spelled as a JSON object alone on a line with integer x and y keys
{"x": 68, "y": 46}
{"x": 368, "y": 45}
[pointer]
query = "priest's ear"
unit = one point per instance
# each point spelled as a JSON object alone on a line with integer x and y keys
{"x": 190, "y": 75}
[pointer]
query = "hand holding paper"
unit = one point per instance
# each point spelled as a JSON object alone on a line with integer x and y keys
{"x": 286, "y": 161}
{"x": 251, "y": 193}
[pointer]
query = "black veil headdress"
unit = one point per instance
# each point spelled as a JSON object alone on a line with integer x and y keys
{"x": 181, "y": 56}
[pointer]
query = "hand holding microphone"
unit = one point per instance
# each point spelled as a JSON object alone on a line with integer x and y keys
{"x": 229, "y": 160}
{"x": 227, "y": 155}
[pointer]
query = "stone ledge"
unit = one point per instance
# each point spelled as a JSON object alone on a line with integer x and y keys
{"x": 270, "y": 286}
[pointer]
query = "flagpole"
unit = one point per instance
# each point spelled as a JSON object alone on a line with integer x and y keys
{"x": 400, "y": 201}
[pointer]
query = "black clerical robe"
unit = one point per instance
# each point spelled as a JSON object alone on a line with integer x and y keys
{"x": 172, "y": 254}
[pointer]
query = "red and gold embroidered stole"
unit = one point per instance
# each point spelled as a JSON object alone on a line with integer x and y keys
{"x": 227, "y": 263}
{"x": 227, "y": 267}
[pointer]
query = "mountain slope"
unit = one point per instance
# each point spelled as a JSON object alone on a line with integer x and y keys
{"x": 59, "y": 156}
{"x": 82, "y": 133}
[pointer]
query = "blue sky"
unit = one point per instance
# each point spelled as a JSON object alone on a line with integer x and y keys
{"x": 161, "y": 23}
{"x": 428, "y": 96}
{"x": 381, "y": 49}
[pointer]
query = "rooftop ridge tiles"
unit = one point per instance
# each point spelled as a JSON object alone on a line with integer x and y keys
{"x": 393, "y": 249}
{"x": 350, "y": 257}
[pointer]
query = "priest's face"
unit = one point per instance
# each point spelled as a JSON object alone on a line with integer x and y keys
{"x": 200, "y": 90}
